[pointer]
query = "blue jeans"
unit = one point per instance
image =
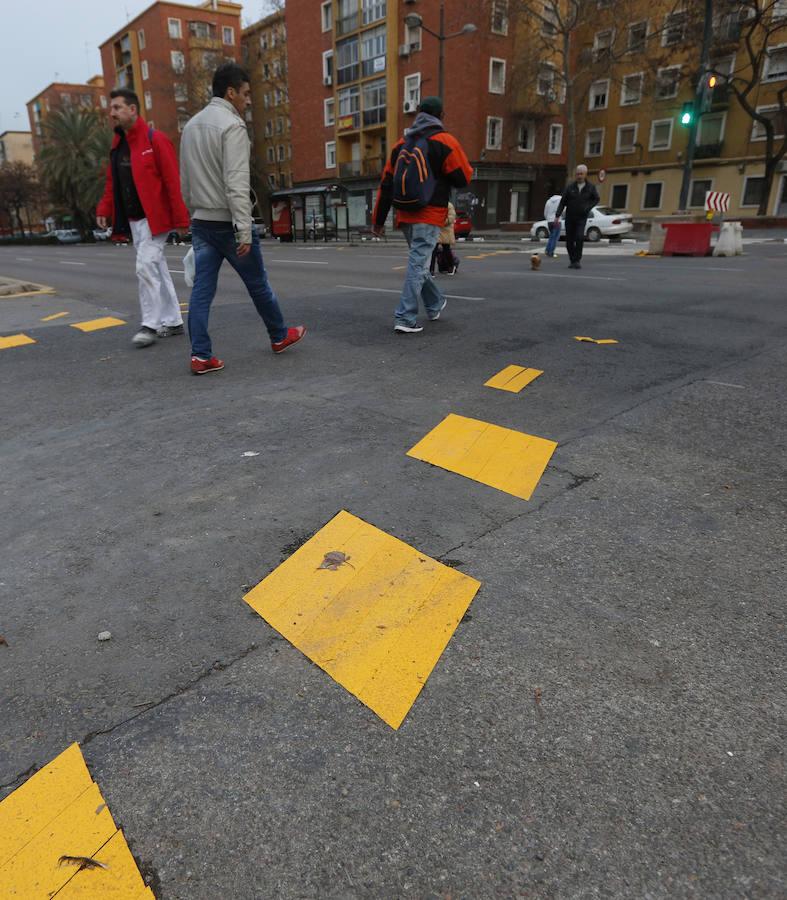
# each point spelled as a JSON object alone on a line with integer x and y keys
{"x": 418, "y": 282}
{"x": 554, "y": 237}
{"x": 214, "y": 242}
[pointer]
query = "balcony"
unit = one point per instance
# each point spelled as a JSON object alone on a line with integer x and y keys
{"x": 349, "y": 122}
{"x": 708, "y": 151}
{"x": 371, "y": 167}
{"x": 721, "y": 96}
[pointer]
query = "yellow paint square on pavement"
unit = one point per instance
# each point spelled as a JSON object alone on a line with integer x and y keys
{"x": 502, "y": 458}
{"x": 15, "y": 340}
{"x": 368, "y": 609}
{"x": 98, "y": 324}
{"x": 59, "y": 812}
{"x": 513, "y": 378}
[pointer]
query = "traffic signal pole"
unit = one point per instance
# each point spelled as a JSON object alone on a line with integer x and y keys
{"x": 699, "y": 92}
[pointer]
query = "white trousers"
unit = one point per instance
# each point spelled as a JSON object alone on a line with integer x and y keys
{"x": 157, "y": 298}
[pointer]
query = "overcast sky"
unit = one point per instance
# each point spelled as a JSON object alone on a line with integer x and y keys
{"x": 57, "y": 40}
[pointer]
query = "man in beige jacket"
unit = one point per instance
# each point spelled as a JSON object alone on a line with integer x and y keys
{"x": 214, "y": 170}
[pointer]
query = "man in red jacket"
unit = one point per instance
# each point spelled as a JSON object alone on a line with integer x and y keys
{"x": 431, "y": 162}
{"x": 142, "y": 199}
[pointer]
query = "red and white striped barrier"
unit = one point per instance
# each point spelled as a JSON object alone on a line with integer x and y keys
{"x": 717, "y": 201}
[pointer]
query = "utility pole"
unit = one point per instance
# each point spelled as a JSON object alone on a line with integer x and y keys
{"x": 441, "y": 61}
{"x": 699, "y": 91}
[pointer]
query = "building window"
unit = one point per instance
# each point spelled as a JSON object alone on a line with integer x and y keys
{"x": 775, "y": 68}
{"x": 545, "y": 84}
{"x": 228, "y": 35}
{"x": 266, "y": 100}
{"x": 710, "y": 129}
{"x": 373, "y": 11}
{"x": 667, "y": 81}
{"x": 278, "y": 96}
{"x": 277, "y": 73}
{"x": 753, "y": 190}
{"x": 329, "y": 112}
{"x": 145, "y": 70}
{"x": 499, "y": 17}
{"x": 526, "y": 137}
{"x": 282, "y": 153}
{"x": 181, "y": 92}
{"x": 626, "y": 138}
{"x": 497, "y": 76}
{"x": 772, "y": 113}
{"x": 697, "y": 192}
{"x": 494, "y": 133}
{"x": 412, "y": 92}
{"x": 374, "y": 103}
{"x": 271, "y": 155}
{"x": 619, "y": 197}
{"x": 347, "y": 60}
{"x": 330, "y": 154}
{"x": 674, "y": 28}
{"x": 175, "y": 29}
{"x": 272, "y": 179}
{"x": 602, "y": 44}
{"x": 269, "y": 128}
{"x": 660, "y": 134}
{"x": 549, "y": 20}
{"x": 555, "y": 138}
{"x": 651, "y": 197}
{"x": 599, "y": 94}
{"x": 637, "y": 36}
{"x": 594, "y": 142}
{"x": 326, "y": 15}
{"x": 631, "y": 90}
{"x": 327, "y": 68}
{"x": 103, "y": 100}
{"x": 373, "y": 51}
{"x": 779, "y": 9}
{"x": 264, "y": 40}
{"x": 148, "y": 100}
{"x": 266, "y": 71}
{"x": 412, "y": 38}
{"x": 349, "y": 108}
{"x": 202, "y": 30}
{"x": 141, "y": 38}
{"x": 280, "y": 125}
{"x": 178, "y": 61}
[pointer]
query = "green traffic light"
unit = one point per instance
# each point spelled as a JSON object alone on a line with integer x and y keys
{"x": 685, "y": 119}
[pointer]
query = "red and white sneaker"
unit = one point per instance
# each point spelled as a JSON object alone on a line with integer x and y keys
{"x": 203, "y": 366}
{"x": 292, "y": 337}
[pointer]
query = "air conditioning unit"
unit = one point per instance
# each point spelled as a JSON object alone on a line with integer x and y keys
{"x": 410, "y": 106}
{"x": 404, "y": 50}
{"x": 327, "y": 81}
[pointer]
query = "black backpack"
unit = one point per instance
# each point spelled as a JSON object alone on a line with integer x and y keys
{"x": 413, "y": 181}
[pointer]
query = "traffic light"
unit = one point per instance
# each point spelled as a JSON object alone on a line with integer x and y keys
{"x": 687, "y": 114}
{"x": 708, "y": 84}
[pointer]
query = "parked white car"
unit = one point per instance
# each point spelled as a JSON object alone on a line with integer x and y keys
{"x": 603, "y": 221}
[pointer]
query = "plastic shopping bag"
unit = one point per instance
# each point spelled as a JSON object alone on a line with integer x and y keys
{"x": 189, "y": 267}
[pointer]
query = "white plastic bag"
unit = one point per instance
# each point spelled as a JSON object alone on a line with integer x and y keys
{"x": 189, "y": 267}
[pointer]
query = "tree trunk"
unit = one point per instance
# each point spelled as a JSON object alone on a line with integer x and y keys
{"x": 770, "y": 171}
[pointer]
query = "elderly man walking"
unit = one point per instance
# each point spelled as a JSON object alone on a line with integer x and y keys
{"x": 578, "y": 199}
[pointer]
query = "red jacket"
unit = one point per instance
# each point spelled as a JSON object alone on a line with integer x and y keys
{"x": 154, "y": 166}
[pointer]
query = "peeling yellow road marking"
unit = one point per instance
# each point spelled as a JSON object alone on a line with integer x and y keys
{"x": 591, "y": 340}
{"x": 513, "y": 378}
{"x": 377, "y": 624}
{"x": 54, "y": 316}
{"x": 98, "y": 324}
{"x": 15, "y": 340}
{"x": 502, "y": 458}
{"x": 59, "y": 812}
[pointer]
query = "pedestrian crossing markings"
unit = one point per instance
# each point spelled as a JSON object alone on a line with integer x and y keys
{"x": 502, "y": 458}
{"x": 98, "y": 324}
{"x": 513, "y": 378}
{"x": 376, "y": 617}
{"x": 56, "y": 814}
{"x": 15, "y": 340}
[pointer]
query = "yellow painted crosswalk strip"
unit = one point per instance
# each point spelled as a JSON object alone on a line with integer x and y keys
{"x": 98, "y": 324}
{"x": 15, "y": 340}
{"x": 376, "y": 618}
{"x": 502, "y": 458}
{"x": 591, "y": 340}
{"x": 59, "y": 812}
{"x": 54, "y": 316}
{"x": 513, "y": 378}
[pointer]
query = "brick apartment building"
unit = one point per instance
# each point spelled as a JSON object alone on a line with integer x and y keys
{"x": 167, "y": 55}
{"x": 264, "y": 55}
{"x": 360, "y": 75}
{"x": 631, "y": 121}
{"x": 59, "y": 95}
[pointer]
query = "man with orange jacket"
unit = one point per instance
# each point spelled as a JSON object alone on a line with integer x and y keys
{"x": 142, "y": 199}
{"x": 417, "y": 180}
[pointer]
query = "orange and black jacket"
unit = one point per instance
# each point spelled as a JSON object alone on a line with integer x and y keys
{"x": 449, "y": 165}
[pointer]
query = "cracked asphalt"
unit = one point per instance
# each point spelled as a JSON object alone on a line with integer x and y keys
{"x": 607, "y": 721}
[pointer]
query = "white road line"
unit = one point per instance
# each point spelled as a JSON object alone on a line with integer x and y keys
{"x": 558, "y": 275}
{"x": 726, "y": 384}
{"x": 65, "y": 262}
{"x": 297, "y": 262}
{"x": 23, "y": 259}
{"x": 358, "y": 287}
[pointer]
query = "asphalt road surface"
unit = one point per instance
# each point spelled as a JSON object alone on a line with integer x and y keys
{"x": 608, "y": 719}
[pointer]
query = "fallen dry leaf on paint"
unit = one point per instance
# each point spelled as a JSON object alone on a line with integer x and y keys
{"x": 3, "y": 641}
{"x": 84, "y": 862}
{"x": 333, "y": 559}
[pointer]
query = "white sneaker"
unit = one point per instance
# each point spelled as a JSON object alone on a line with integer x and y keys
{"x": 436, "y": 316}
{"x": 144, "y": 337}
{"x": 408, "y": 329}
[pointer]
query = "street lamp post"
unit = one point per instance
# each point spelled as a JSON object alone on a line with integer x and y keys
{"x": 413, "y": 20}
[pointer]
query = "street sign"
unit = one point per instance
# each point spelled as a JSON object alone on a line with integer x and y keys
{"x": 602, "y": 174}
{"x": 717, "y": 201}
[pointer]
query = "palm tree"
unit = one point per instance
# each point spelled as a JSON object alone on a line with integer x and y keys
{"x": 73, "y": 160}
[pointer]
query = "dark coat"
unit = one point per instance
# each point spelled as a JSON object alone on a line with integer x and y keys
{"x": 576, "y": 203}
